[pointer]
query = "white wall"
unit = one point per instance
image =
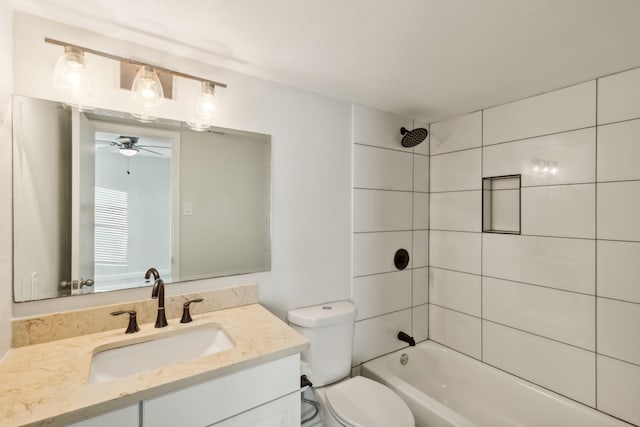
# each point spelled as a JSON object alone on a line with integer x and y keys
{"x": 6, "y": 84}
{"x": 558, "y": 305}
{"x": 148, "y": 187}
{"x": 311, "y": 165}
{"x": 43, "y": 241}
{"x": 390, "y": 212}
{"x": 223, "y": 178}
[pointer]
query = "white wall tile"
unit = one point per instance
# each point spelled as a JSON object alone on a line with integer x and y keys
{"x": 420, "y": 211}
{"x": 420, "y": 248}
{"x": 573, "y": 154}
{"x": 373, "y": 252}
{"x": 456, "y": 171}
{"x": 455, "y": 250}
{"x": 456, "y": 330}
{"x": 619, "y": 270}
{"x": 382, "y": 169}
{"x": 618, "y": 385}
{"x": 460, "y": 211}
{"x": 619, "y": 210}
{"x": 379, "y": 128}
{"x": 619, "y": 330}
{"x": 619, "y": 97}
{"x": 420, "y": 286}
{"x": 619, "y": 151}
{"x": 421, "y": 322}
{"x": 420, "y": 173}
{"x": 563, "y": 211}
{"x": 558, "y": 111}
{"x": 423, "y": 147}
{"x": 555, "y": 262}
{"x": 565, "y": 316}
{"x": 377, "y": 210}
{"x": 565, "y": 369}
{"x": 379, "y": 335}
{"x": 457, "y": 291}
{"x": 382, "y": 293}
{"x": 458, "y": 133}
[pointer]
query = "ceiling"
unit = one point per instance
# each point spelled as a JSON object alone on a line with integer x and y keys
{"x": 428, "y": 59}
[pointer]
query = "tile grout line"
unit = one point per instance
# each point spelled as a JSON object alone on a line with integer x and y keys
{"x": 413, "y": 189}
{"x": 481, "y": 238}
{"x": 563, "y": 184}
{"x": 527, "y": 138}
{"x": 389, "y": 149}
{"x": 595, "y": 305}
{"x": 429, "y": 240}
{"x": 519, "y": 329}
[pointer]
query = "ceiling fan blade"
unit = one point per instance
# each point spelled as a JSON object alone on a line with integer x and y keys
{"x": 150, "y": 151}
{"x": 106, "y": 148}
{"x": 105, "y": 141}
{"x": 154, "y": 146}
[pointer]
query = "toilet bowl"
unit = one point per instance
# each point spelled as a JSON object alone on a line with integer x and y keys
{"x": 344, "y": 401}
{"x": 361, "y": 402}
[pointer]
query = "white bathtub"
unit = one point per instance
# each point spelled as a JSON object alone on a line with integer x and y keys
{"x": 445, "y": 388}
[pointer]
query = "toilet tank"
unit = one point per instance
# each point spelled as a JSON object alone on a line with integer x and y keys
{"x": 329, "y": 329}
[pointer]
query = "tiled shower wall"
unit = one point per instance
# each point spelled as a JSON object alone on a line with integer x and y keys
{"x": 558, "y": 305}
{"x": 390, "y": 212}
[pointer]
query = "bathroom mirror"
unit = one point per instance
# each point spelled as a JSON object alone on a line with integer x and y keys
{"x": 100, "y": 197}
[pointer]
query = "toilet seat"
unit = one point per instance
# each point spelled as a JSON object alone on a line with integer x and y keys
{"x": 361, "y": 402}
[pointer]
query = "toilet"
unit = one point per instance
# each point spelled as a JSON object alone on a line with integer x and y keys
{"x": 344, "y": 401}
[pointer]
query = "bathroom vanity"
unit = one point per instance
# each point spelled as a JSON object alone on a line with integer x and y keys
{"x": 254, "y": 382}
{"x": 266, "y": 395}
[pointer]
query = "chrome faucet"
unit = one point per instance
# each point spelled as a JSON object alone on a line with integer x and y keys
{"x": 158, "y": 292}
{"x": 151, "y": 271}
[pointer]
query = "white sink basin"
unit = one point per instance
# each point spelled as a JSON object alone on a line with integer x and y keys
{"x": 183, "y": 345}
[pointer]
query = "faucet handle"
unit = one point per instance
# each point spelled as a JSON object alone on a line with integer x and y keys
{"x": 186, "y": 316}
{"x": 133, "y": 322}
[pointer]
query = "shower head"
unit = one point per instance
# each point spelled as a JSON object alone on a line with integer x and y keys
{"x": 414, "y": 137}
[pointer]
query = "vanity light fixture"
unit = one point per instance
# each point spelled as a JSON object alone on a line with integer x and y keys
{"x": 205, "y": 111}
{"x": 70, "y": 72}
{"x": 147, "y": 86}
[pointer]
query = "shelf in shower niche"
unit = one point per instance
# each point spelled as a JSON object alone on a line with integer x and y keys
{"x": 501, "y": 204}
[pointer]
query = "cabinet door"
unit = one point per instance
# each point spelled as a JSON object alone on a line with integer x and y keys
{"x": 284, "y": 412}
{"x": 206, "y": 403}
{"x": 125, "y": 417}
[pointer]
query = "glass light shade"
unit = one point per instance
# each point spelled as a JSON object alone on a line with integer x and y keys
{"x": 205, "y": 111}
{"x": 129, "y": 152}
{"x": 146, "y": 87}
{"x": 70, "y": 72}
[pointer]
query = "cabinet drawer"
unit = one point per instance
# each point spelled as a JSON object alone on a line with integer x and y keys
{"x": 124, "y": 417}
{"x": 284, "y": 412}
{"x": 207, "y": 403}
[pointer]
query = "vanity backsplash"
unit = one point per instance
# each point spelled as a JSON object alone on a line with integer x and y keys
{"x": 56, "y": 326}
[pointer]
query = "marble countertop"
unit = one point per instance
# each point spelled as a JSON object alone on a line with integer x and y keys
{"x": 46, "y": 384}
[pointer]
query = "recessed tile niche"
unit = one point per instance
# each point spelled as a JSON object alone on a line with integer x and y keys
{"x": 501, "y": 204}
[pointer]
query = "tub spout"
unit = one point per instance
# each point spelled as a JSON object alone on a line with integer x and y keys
{"x": 406, "y": 338}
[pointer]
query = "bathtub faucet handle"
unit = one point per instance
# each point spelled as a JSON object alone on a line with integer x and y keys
{"x": 402, "y": 336}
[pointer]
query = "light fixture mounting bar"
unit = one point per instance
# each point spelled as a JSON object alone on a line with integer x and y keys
{"x": 133, "y": 62}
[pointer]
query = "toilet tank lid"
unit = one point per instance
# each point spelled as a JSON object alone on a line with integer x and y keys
{"x": 323, "y": 315}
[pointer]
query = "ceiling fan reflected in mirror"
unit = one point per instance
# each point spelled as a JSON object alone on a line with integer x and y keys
{"x": 128, "y": 145}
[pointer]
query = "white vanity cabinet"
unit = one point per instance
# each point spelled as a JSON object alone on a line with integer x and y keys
{"x": 123, "y": 417}
{"x": 265, "y": 395}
